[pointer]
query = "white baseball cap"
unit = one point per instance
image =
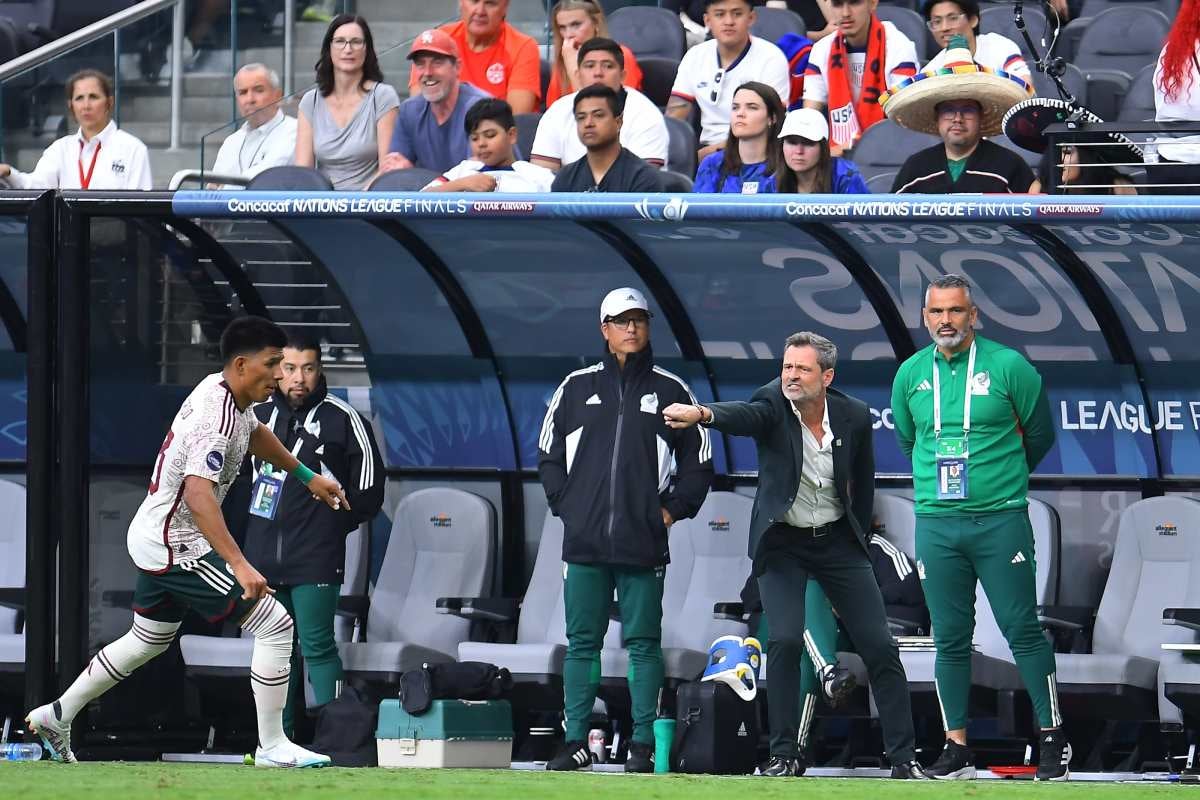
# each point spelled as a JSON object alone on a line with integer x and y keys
{"x": 807, "y": 123}
{"x": 618, "y": 301}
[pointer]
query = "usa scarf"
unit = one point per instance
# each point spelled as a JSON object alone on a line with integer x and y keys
{"x": 847, "y": 118}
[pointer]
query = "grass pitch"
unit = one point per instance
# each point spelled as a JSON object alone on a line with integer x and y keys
{"x": 157, "y": 781}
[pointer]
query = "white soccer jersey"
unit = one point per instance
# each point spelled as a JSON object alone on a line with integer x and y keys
{"x": 209, "y": 438}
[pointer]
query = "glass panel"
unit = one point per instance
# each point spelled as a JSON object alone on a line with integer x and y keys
{"x": 13, "y": 296}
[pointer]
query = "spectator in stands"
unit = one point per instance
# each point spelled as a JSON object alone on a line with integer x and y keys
{"x": 705, "y": 80}
{"x": 1085, "y": 159}
{"x": 97, "y": 156}
{"x": 961, "y": 107}
{"x": 346, "y": 121}
{"x": 1177, "y": 99}
{"x": 947, "y": 18}
{"x": 750, "y": 159}
{"x": 493, "y": 165}
{"x": 574, "y": 22}
{"x": 849, "y": 71}
{"x": 430, "y": 129}
{"x": 267, "y": 138}
{"x": 808, "y": 167}
{"x": 1092, "y": 178}
{"x": 643, "y": 130}
{"x": 607, "y": 167}
{"x": 496, "y": 57}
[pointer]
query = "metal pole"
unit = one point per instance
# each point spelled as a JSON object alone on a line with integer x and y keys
{"x": 289, "y": 54}
{"x": 233, "y": 52}
{"x": 117, "y": 76}
{"x": 177, "y": 23}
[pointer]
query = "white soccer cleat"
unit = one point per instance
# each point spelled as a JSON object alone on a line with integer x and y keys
{"x": 288, "y": 754}
{"x": 54, "y": 733}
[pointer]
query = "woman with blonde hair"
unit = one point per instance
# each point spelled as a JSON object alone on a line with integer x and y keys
{"x": 572, "y": 23}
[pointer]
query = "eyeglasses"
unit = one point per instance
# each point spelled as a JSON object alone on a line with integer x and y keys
{"x": 948, "y": 21}
{"x": 717, "y": 84}
{"x": 348, "y": 44}
{"x": 636, "y": 320}
{"x": 950, "y": 112}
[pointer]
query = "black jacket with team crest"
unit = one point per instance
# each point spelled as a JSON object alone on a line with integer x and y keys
{"x": 605, "y": 460}
{"x": 306, "y": 542}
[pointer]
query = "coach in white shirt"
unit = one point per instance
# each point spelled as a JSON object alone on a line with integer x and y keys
{"x": 643, "y": 132}
{"x": 98, "y": 156}
{"x": 268, "y": 136}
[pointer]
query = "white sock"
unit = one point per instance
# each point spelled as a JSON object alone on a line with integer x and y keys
{"x": 270, "y": 667}
{"x": 114, "y": 663}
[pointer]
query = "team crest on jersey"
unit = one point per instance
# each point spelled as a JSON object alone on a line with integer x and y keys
{"x": 495, "y": 73}
{"x": 214, "y": 460}
{"x": 981, "y": 383}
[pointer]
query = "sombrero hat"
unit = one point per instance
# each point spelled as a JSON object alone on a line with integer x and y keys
{"x": 912, "y": 103}
{"x": 1026, "y": 122}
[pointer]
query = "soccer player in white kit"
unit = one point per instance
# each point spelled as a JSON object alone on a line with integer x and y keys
{"x": 186, "y": 557}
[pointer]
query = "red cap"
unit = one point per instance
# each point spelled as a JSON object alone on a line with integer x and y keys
{"x": 435, "y": 40}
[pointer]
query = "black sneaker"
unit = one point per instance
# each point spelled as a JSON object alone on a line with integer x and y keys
{"x": 574, "y": 755}
{"x": 910, "y": 771}
{"x": 836, "y": 684}
{"x": 1054, "y": 758}
{"x": 641, "y": 757}
{"x": 782, "y": 767}
{"x": 956, "y": 763}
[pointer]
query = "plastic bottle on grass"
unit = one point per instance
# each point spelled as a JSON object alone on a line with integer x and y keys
{"x": 21, "y": 751}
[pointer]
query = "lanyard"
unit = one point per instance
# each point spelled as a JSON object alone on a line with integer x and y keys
{"x": 265, "y": 134}
{"x": 937, "y": 394}
{"x": 85, "y": 180}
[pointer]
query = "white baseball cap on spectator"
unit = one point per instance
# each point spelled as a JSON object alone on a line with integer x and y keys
{"x": 807, "y": 123}
{"x": 618, "y": 301}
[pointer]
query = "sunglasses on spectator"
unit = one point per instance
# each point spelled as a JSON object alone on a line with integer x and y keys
{"x": 717, "y": 84}
{"x": 948, "y": 21}
{"x": 351, "y": 44}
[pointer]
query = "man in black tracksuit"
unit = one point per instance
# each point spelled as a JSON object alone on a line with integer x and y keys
{"x": 299, "y": 545}
{"x": 605, "y": 459}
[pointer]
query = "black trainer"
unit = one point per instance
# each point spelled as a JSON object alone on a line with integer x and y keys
{"x": 641, "y": 757}
{"x": 574, "y": 755}
{"x": 910, "y": 771}
{"x": 837, "y": 683}
{"x": 956, "y": 763}
{"x": 1054, "y": 758}
{"x": 782, "y": 767}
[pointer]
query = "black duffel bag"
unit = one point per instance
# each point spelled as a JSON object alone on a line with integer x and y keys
{"x": 716, "y": 732}
{"x": 457, "y": 680}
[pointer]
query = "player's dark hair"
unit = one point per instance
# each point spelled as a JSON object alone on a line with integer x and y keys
{"x": 247, "y": 335}
{"x": 493, "y": 108}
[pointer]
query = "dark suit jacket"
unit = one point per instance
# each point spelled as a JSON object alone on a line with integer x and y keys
{"x": 776, "y": 431}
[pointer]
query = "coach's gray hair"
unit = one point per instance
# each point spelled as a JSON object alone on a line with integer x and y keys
{"x": 950, "y": 281}
{"x": 826, "y": 350}
{"x": 272, "y": 75}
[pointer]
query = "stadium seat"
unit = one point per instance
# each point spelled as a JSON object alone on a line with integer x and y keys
{"x": 674, "y": 181}
{"x": 910, "y": 23}
{"x": 885, "y": 146}
{"x": 648, "y": 31}
{"x": 1114, "y": 47}
{"x": 999, "y": 19}
{"x": 881, "y": 183}
{"x": 1093, "y": 7}
{"x": 1155, "y": 566}
{"x": 545, "y": 72}
{"x": 1073, "y": 79}
{"x": 442, "y": 544}
{"x": 1138, "y": 105}
{"x": 413, "y": 179}
{"x": 291, "y": 178}
{"x": 658, "y": 76}
{"x": 773, "y": 23}
{"x": 526, "y": 130}
{"x": 681, "y": 147}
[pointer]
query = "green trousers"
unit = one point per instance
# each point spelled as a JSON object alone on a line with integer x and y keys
{"x": 995, "y": 549}
{"x": 312, "y": 606}
{"x": 587, "y": 596}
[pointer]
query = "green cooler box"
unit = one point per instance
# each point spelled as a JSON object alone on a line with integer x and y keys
{"x": 452, "y": 733}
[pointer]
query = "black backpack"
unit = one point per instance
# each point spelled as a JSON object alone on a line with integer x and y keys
{"x": 346, "y": 730}
{"x": 716, "y": 732}
{"x": 457, "y": 680}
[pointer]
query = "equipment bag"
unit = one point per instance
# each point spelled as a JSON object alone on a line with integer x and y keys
{"x": 346, "y": 730}
{"x": 716, "y": 732}
{"x": 457, "y": 680}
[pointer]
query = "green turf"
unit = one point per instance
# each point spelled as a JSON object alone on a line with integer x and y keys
{"x": 100, "y": 781}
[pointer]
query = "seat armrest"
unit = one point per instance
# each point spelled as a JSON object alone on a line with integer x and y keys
{"x": 732, "y": 611}
{"x": 904, "y": 627}
{"x": 1187, "y": 617}
{"x": 353, "y": 605}
{"x": 484, "y": 609}
{"x": 1066, "y": 618}
{"x": 12, "y": 598}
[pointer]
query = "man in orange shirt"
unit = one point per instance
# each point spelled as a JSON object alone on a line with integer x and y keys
{"x": 496, "y": 57}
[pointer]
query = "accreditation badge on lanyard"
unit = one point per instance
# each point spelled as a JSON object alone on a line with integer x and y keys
{"x": 268, "y": 488}
{"x": 950, "y": 451}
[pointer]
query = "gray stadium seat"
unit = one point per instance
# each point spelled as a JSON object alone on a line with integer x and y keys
{"x": 674, "y": 181}
{"x": 885, "y": 146}
{"x": 708, "y": 565}
{"x": 1093, "y": 7}
{"x": 526, "y": 129}
{"x": 881, "y": 183}
{"x": 1113, "y": 48}
{"x": 773, "y": 23}
{"x": 681, "y": 146}
{"x": 999, "y": 19}
{"x": 442, "y": 544}
{"x": 1155, "y": 565}
{"x": 658, "y": 76}
{"x": 648, "y": 31}
{"x": 1138, "y": 105}
{"x": 413, "y": 179}
{"x": 910, "y": 23}
{"x": 291, "y": 178}
{"x": 1073, "y": 79}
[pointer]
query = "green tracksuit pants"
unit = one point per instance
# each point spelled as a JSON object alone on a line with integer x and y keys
{"x": 587, "y": 596}
{"x": 313, "y": 607}
{"x": 995, "y": 549}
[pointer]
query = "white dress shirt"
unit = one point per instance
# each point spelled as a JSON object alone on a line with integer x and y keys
{"x": 817, "y": 502}
{"x": 113, "y": 159}
{"x": 248, "y": 151}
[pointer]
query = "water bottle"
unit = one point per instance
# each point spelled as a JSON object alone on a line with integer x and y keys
{"x": 21, "y": 751}
{"x": 596, "y": 745}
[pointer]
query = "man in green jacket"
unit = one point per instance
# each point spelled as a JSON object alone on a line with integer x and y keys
{"x": 973, "y": 416}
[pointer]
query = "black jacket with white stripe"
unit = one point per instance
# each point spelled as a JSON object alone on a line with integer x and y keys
{"x": 606, "y": 458}
{"x": 306, "y": 541}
